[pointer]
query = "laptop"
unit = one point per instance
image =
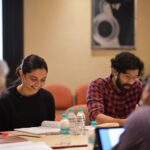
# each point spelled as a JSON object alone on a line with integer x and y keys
{"x": 107, "y": 138}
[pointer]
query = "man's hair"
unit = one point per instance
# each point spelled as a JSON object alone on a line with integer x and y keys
{"x": 127, "y": 61}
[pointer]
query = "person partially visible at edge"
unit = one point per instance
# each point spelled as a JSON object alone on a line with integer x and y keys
{"x": 4, "y": 69}
{"x": 138, "y": 121}
{"x": 27, "y": 104}
{"x": 113, "y": 98}
{"x": 145, "y": 98}
{"x": 136, "y": 135}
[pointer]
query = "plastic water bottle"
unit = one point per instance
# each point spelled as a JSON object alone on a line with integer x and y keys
{"x": 73, "y": 119}
{"x": 91, "y": 135}
{"x": 65, "y": 130}
{"x": 80, "y": 122}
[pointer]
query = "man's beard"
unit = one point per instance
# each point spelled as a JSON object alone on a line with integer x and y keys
{"x": 122, "y": 87}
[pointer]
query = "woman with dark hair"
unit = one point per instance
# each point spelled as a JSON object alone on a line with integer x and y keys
{"x": 27, "y": 104}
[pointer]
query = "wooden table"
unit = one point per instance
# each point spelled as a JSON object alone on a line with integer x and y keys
{"x": 54, "y": 140}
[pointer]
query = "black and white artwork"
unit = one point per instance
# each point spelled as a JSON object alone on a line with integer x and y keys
{"x": 113, "y": 24}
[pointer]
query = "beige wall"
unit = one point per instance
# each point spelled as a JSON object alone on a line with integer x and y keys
{"x": 60, "y": 31}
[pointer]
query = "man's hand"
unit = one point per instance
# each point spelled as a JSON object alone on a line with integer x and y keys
{"x": 101, "y": 118}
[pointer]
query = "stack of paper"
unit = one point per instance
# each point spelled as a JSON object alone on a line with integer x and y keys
{"x": 25, "y": 146}
{"x": 47, "y": 127}
{"x": 39, "y": 130}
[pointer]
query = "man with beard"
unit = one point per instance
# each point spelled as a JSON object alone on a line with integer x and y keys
{"x": 112, "y": 99}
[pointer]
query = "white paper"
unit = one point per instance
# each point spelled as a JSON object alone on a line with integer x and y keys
{"x": 47, "y": 127}
{"x": 52, "y": 124}
{"x": 39, "y": 130}
{"x": 25, "y": 146}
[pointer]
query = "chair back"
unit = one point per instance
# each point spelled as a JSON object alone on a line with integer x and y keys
{"x": 81, "y": 93}
{"x": 62, "y": 95}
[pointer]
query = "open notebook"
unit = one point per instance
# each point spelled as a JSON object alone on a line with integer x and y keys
{"x": 47, "y": 127}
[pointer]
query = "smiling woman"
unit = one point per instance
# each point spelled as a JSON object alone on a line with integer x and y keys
{"x": 27, "y": 104}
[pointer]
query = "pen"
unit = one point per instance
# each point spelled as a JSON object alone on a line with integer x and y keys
{"x": 29, "y": 135}
{"x": 4, "y": 133}
{"x": 68, "y": 146}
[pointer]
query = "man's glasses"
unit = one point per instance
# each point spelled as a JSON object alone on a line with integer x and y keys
{"x": 129, "y": 77}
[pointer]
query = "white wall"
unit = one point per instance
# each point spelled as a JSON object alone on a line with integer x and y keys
{"x": 60, "y": 31}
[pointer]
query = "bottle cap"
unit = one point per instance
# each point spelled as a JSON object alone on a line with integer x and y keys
{"x": 80, "y": 109}
{"x": 71, "y": 110}
{"x": 64, "y": 115}
{"x": 93, "y": 123}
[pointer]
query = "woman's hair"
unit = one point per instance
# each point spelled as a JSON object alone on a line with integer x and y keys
{"x": 32, "y": 62}
{"x": 127, "y": 61}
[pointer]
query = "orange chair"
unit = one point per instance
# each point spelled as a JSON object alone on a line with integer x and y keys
{"x": 84, "y": 106}
{"x": 63, "y": 98}
{"x": 81, "y": 93}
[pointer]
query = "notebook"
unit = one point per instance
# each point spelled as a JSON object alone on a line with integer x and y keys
{"x": 108, "y": 137}
{"x": 47, "y": 127}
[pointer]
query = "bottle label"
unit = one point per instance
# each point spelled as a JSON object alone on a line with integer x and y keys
{"x": 65, "y": 131}
{"x": 91, "y": 139}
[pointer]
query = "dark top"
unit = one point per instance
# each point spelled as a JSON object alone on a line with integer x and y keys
{"x": 17, "y": 111}
{"x": 102, "y": 97}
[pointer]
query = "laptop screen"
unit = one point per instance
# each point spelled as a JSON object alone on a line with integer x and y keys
{"x": 107, "y": 138}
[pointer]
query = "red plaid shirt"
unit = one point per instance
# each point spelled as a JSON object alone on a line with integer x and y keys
{"x": 103, "y": 98}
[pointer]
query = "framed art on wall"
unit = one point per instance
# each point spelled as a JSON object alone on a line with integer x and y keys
{"x": 113, "y": 24}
